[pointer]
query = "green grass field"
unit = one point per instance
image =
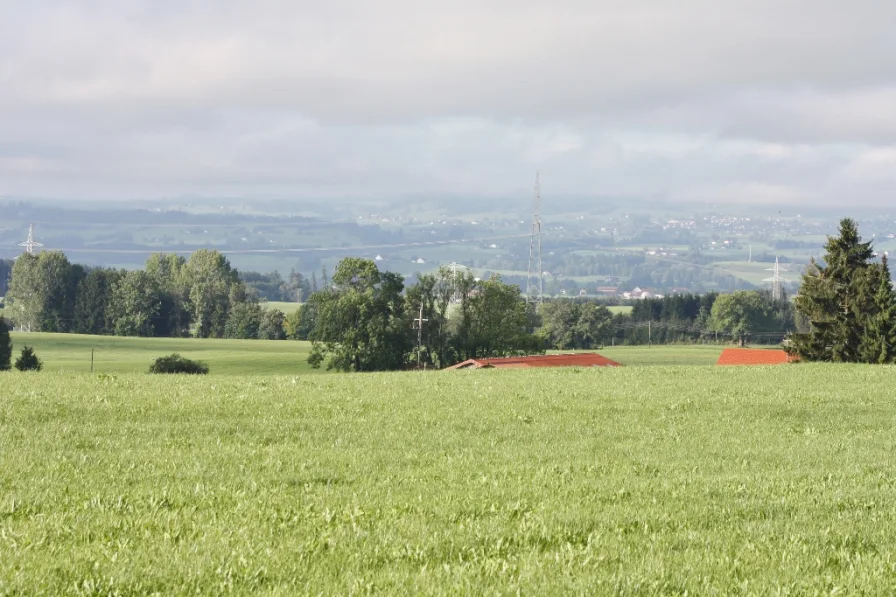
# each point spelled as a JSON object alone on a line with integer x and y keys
{"x": 114, "y": 354}
{"x": 625, "y": 309}
{"x": 649, "y": 481}
{"x": 285, "y": 307}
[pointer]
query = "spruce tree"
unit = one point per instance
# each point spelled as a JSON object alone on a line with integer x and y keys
{"x": 5, "y": 346}
{"x": 849, "y": 303}
{"x": 879, "y": 338}
{"x": 28, "y": 361}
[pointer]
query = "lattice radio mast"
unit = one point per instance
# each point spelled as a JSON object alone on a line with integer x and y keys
{"x": 777, "y": 281}
{"x": 30, "y": 244}
{"x": 535, "y": 281}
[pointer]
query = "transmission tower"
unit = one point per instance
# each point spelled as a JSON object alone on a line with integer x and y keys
{"x": 455, "y": 289}
{"x": 777, "y": 281}
{"x": 535, "y": 281}
{"x": 30, "y": 244}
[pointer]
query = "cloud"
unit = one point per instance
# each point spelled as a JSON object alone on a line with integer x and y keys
{"x": 293, "y": 99}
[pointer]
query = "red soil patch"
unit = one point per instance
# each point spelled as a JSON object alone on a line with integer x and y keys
{"x": 753, "y": 356}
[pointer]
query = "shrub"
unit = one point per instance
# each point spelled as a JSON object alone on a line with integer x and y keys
{"x": 174, "y": 363}
{"x": 5, "y": 346}
{"x": 28, "y": 361}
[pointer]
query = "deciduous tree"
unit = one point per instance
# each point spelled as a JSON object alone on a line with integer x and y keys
{"x": 243, "y": 321}
{"x": 42, "y": 291}
{"x": 741, "y": 314}
{"x": 93, "y": 300}
{"x": 5, "y": 346}
{"x": 209, "y": 277}
{"x": 271, "y": 327}
{"x": 136, "y": 305}
{"x": 360, "y": 320}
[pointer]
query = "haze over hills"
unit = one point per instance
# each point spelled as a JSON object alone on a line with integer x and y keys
{"x": 622, "y": 245}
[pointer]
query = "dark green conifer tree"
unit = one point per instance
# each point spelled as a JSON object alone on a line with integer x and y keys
{"x": 849, "y": 303}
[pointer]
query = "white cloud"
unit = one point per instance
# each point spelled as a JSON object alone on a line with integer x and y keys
{"x": 281, "y": 98}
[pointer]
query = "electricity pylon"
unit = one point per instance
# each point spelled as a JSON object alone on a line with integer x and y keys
{"x": 535, "y": 280}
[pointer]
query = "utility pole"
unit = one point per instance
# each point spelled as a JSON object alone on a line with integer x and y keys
{"x": 649, "y": 337}
{"x": 419, "y": 325}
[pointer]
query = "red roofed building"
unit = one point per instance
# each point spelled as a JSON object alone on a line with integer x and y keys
{"x": 584, "y": 359}
{"x": 753, "y": 356}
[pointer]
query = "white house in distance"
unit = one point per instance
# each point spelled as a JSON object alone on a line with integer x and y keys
{"x": 638, "y": 294}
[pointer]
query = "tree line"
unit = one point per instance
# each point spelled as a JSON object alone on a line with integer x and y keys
{"x": 172, "y": 296}
{"x": 741, "y": 316}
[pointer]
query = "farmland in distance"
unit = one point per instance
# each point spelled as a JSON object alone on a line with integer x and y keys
{"x": 648, "y": 480}
{"x": 117, "y": 354}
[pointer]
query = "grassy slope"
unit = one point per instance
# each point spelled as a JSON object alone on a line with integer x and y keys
{"x": 651, "y": 481}
{"x": 71, "y": 352}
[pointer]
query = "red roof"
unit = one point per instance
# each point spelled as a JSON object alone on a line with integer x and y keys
{"x": 753, "y": 356}
{"x": 583, "y": 359}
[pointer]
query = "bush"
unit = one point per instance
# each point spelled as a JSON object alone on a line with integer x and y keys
{"x": 174, "y": 363}
{"x": 28, "y": 361}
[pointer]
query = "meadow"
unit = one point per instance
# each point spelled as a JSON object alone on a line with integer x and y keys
{"x": 115, "y": 354}
{"x": 636, "y": 480}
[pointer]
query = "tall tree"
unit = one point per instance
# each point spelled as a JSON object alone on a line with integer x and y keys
{"x": 92, "y": 301}
{"x": 243, "y": 321}
{"x": 848, "y": 301}
{"x": 42, "y": 291}
{"x": 741, "y": 314}
{"x": 209, "y": 277}
{"x": 431, "y": 296}
{"x": 26, "y": 297}
{"x": 136, "y": 304}
{"x": 878, "y": 344}
{"x": 5, "y": 346}
{"x": 293, "y": 323}
{"x": 168, "y": 272}
{"x": 360, "y": 321}
{"x": 5, "y": 273}
{"x": 272, "y": 325}
{"x": 497, "y": 322}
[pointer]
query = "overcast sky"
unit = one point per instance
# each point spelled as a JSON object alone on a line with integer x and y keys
{"x": 773, "y": 101}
